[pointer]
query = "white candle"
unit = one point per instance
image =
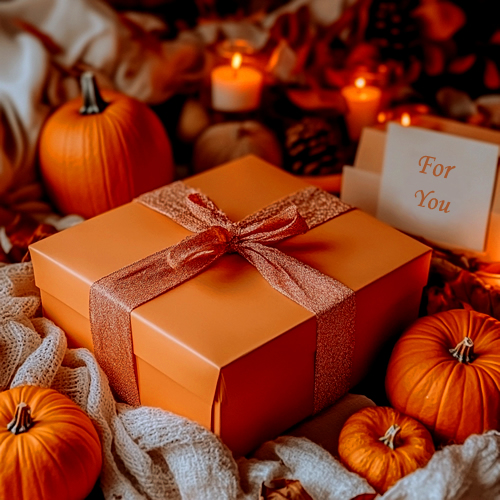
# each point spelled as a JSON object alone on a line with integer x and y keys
{"x": 362, "y": 104}
{"x": 236, "y": 88}
{"x": 406, "y": 119}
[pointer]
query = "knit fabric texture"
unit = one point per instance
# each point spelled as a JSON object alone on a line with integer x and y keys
{"x": 152, "y": 454}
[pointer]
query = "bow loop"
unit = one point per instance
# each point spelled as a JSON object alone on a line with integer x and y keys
{"x": 205, "y": 210}
{"x": 285, "y": 224}
{"x": 208, "y": 245}
{"x": 224, "y": 236}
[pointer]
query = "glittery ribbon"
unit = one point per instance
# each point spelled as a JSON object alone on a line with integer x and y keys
{"x": 114, "y": 297}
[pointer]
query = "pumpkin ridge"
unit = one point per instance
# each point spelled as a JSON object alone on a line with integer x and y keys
{"x": 23, "y": 454}
{"x": 54, "y": 460}
{"x": 116, "y": 125}
{"x": 407, "y": 367}
{"x": 483, "y": 376}
{"x": 443, "y": 400}
{"x": 485, "y": 368}
{"x": 39, "y": 479}
{"x": 100, "y": 140}
{"x": 424, "y": 375}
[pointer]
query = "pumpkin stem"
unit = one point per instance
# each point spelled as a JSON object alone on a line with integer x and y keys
{"x": 93, "y": 103}
{"x": 22, "y": 420}
{"x": 464, "y": 351}
{"x": 388, "y": 437}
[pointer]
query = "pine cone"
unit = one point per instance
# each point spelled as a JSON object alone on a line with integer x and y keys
{"x": 392, "y": 27}
{"x": 311, "y": 146}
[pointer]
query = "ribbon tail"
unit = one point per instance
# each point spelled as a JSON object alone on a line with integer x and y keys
{"x": 334, "y": 306}
{"x": 114, "y": 297}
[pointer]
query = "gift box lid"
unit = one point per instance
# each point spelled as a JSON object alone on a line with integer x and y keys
{"x": 193, "y": 331}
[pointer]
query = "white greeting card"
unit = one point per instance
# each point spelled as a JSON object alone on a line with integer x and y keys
{"x": 437, "y": 185}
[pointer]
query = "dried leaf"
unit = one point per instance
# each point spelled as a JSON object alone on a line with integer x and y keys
{"x": 317, "y": 99}
{"x": 462, "y": 64}
{"x": 362, "y": 54}
{"x": 440, "y": 19}
{"x": 458, "y": 288}
{"x": 281, "y": 489}
{"x": 491, "y": 267}
{"x": 491, "y": 75}
{"x": 495, "y": 38}
{"x": 21, "y": 232}
{"x": 283, "y": 62}
{"x": 365, "y": 496}
{"x": 434, "y": 59}
{"x": 294, "y": 27}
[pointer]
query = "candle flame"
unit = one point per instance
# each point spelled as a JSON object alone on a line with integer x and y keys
{"x": 360, "y": 82}
{"x": 381, "y": 117}
{"x": 236, "y": 61}
{"x": 405, "y": 120}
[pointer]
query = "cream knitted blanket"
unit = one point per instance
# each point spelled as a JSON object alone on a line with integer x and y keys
{"x": 152, "y": 454}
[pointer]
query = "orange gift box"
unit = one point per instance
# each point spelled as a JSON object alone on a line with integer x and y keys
{"x": 225, "y": 348}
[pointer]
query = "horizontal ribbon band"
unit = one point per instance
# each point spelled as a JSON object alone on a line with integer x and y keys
{"x": 114, "y": 297}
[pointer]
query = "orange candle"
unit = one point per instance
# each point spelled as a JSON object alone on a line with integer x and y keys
{"x": 236, "y": 88}
{"x": 362, "y": 103}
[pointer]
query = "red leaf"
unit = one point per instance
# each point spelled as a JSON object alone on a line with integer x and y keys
{"x": 462, "y": 64}
{"x": 440, "y": 19}
{"x": 495, "y": 38}
{"x": 434, "y": 59}
{"x": 491, "y": 75}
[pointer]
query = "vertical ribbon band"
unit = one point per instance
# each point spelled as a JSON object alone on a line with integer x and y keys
{"x": 114, "y": 297}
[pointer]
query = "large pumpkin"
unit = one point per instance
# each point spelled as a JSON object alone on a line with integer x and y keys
{"x": 48, "y": 446}
{"x": 445, "y": 372}
{"x": 382, "y": 445}
{"x": 102, "y": 154}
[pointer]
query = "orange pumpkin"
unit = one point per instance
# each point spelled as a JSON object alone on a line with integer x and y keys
{"x": 445, "y": 371}
{"x": 382, "y": 445}
{"x": 103, "y": 154}
{"x": 48, "y": 446}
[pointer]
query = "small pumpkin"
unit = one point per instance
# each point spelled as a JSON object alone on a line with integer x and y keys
{"x": 224, "y": 142}
{"x": 48, "y": 446}
{"x": 102, "y": 154}
{"x": 382, "y": 445}
{"x": 445, "y": 371}
{"x": 193, "y": 120}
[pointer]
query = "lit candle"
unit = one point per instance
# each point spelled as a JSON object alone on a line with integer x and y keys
{"x": 362, "y": 103}
{"x": 236, "y": 88}
{"x": 405, "y": 120}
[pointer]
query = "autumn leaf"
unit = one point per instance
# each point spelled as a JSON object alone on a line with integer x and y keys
{"x": 317, "y": 99}
{"x": 440, "y": 20}
{"x": 495, "y": 38}
{"x": 284, "y": 489}
{"x": 491, "y": 75}
{"x": 434, "y": 59}
{"x": 462, "y": 64}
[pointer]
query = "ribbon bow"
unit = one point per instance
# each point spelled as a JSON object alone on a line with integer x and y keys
{"x": 225, "y": 236}
{"x": 113, "y": 297}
